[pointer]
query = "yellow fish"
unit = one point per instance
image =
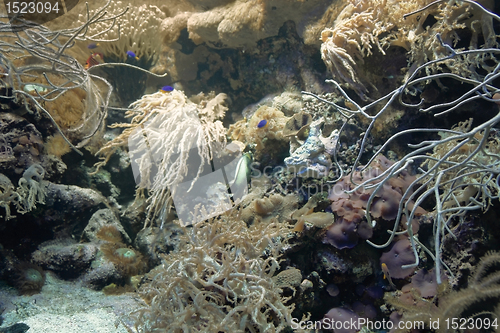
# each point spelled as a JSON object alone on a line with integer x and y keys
{"x": 387, "y": 274}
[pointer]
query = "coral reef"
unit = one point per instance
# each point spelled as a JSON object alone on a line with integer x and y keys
{"x": 380, "y": 24}
{"x": 479, "y": 300}
{"x": 301, "y": 212}
{"x": 312, "y": 158}
{"x": 165, "y": 133}
{"x": 220, "y": 280}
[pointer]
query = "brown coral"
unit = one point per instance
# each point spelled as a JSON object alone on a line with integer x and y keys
{"x": 274, "y": 207}
{"x": 56, "y": 145}
{"x": 270, "y": 143}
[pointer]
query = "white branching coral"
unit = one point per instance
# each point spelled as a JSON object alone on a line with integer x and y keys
{"x": 452, "y": 17}
{"x": 138, "y": 30}
{"x": 169, "y": 138}
{"x": 7, "y": 195}
{"x": 32, "y": 188}
{"x": 220, "y": 281}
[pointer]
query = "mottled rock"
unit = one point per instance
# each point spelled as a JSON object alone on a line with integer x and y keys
{"x": 103, "y": 217}
{"x": 69, "y": 260}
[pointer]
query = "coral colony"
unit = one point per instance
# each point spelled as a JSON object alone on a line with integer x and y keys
{"x": 304, "y": 166}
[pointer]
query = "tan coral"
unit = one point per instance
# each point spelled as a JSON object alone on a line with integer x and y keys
{"x": 237, "y": 131}
{"x": 139, "y": 31}
{"x": 220, "y": 281}
{"x": 56, "y": 145}
{"x": 242, "y": 23}
{"x": 272, "y": 208}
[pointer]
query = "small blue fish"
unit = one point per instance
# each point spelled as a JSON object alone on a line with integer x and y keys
{"x": 166, "y": 89}
{"x": 262, "y": 123}
{"x": 131, "y": 54}
{"x": 92, "y": 46}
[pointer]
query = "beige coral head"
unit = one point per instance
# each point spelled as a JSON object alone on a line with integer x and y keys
{"x": 140, "y": 31}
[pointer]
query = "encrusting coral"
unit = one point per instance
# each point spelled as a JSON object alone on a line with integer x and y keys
{"x": 351, "y": 207}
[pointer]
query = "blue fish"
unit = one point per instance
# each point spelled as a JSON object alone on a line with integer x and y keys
{"x": 92, "y": 46}
{"x": 166, "y": 89}
{"x": 131, "y": 54}
{"x": 262, "y": 123}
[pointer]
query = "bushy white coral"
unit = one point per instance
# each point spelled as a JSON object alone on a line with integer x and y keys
{"x": 32, "y": 188}
{"x": 220, "y": 281}
{"x": 169, "y": 137}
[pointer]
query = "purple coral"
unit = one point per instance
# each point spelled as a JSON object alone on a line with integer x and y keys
{"x": 425, "y": 282}
{"x": 341, "y": 319}
{"x": 342, "y": 234}
{"x": 400, "y": 254}
{"x": 364, "y": 310}
{"x": 385, "y": 202}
